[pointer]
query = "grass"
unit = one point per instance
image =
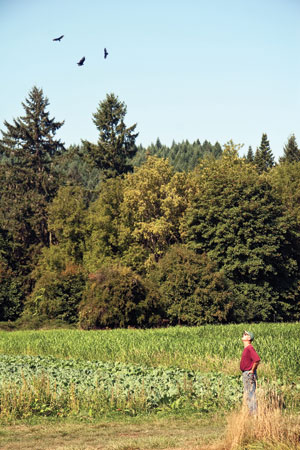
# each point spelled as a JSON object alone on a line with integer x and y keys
{"x": 147, "y": 434}
{"x": 270, "y": 430}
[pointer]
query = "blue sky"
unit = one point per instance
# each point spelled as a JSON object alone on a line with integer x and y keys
{"x": 193, "y": 69}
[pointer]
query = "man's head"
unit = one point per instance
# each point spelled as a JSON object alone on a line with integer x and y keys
{"x": 248, "y": 336}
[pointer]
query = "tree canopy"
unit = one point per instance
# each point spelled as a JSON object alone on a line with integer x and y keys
{"x": 115, "y": 235}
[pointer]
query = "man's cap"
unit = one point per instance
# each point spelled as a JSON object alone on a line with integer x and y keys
{"x": 249, "y": 334}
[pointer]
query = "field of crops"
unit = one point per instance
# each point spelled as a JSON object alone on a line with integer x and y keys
{"x": 64, "y": 372}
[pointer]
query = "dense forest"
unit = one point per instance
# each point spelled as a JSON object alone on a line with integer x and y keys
{"x": 111, "y": 234}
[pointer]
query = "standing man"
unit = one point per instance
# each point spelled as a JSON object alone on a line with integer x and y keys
{"x": 248, "y": 365}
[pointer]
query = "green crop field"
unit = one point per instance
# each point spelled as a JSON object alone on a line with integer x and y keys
{"x": 89, "y": 373}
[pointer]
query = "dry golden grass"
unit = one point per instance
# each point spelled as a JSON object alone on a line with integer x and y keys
{"x": 269, "y": 429}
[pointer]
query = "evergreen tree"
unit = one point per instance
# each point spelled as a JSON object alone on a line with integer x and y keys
{"x": 28, "y": 181}
{"x": 250, "y": 155}
{"x": 264, "y": 159}
{"x": 30, "y": 139}
{"x": 116, "y": 143}
{"x": 158, "y": 143}
{"x": 291, "y": 151}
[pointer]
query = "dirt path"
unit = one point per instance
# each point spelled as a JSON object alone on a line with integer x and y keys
{"x": 159, "y": 434}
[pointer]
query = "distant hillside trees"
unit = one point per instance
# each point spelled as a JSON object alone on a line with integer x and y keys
{"x": 182, "y": 156}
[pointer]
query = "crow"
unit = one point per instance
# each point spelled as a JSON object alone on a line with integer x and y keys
{"x": 80, "y": 63}
{"x": 105, "y": 53}
{"x": 59, "y": 38}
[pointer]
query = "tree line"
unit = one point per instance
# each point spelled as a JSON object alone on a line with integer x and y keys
{"x": 111, "y": 234}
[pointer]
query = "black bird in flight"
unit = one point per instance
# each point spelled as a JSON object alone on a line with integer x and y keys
{"x": 59, "y": 38}
{"x": 80, "y": 63}
{"x": 105, "y": 53}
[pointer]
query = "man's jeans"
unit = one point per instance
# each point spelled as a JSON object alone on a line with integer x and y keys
{"x": 249, "y": 381}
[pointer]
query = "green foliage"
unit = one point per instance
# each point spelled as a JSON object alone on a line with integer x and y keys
{"x": 75, "y": 169}
{"x": 102, "y": 226}
{"x": 191, "y": 287}
{"x": 11, "y": 283}
{"x": 116, "y": 143}
{"x": 102, "y": 387}
{"x": 57, "y": 295}
{"x": 285, "y": 180}
{"x": 237, "y": 221}
{"x": 67, "y": 216}
{"x": 117, "y": 297}
{"x": 58, "y": 274}
{"x": 11, "y": 294}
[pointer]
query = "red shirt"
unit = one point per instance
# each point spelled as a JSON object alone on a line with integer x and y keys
{"x": 249, "y": 356}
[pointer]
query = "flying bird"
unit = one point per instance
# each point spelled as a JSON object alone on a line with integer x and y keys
{"x": 80, "y": 63}
{"x": 59, "y": 38}
{"x": 105, "y": 53}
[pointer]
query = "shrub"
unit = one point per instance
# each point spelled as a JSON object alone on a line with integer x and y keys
{"x": 116, "y": 297}
{"x": 57, "y": 295}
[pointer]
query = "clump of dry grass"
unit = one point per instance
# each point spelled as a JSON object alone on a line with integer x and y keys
{"x": 269, "y": 429}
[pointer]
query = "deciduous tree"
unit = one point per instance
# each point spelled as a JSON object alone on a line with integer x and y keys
{"x": 154, "y": 200}
{"x": 192, "y": 290}
{"x": 238, "y": 222}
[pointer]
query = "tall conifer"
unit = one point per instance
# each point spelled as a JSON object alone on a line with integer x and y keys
{"x": 264, "y": 158}
{"x": 116, "y": 144}
{"x": 28, "y": 182}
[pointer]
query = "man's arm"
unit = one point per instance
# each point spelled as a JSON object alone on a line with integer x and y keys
{"x": 254, "y": 367}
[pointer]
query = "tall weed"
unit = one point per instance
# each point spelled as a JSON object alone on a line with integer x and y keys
{"x": 269, "y": 429}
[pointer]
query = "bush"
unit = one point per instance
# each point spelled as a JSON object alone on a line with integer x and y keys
{"x": 57, "y": 295}
{"x": 116, "y": 297}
